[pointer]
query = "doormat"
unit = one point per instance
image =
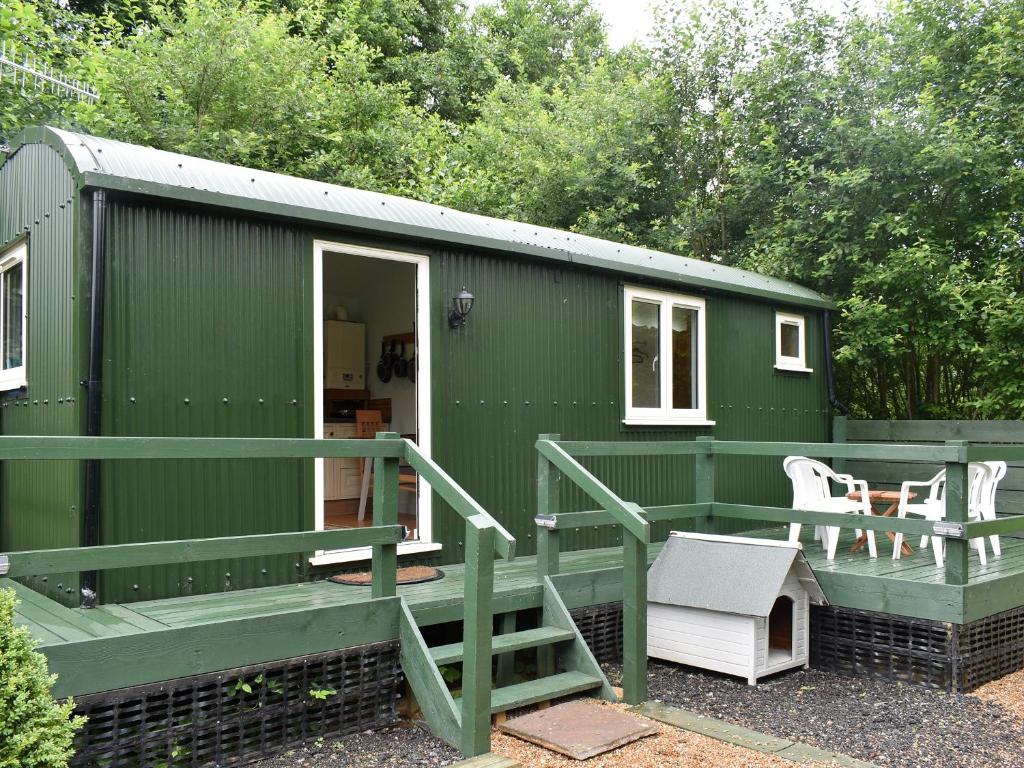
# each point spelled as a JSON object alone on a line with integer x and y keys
{"x": 580, "y": 729}
{"x": 412, "y": 574}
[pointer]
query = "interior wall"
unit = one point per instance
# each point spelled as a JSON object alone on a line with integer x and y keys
{"x": 382, "y": 295}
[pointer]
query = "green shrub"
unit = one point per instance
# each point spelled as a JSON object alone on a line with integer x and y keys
{"x": 35, "y": 730}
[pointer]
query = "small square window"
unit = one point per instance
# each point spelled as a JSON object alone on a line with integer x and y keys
{"x": 13, "y": 315}
{"x": 791, "y": 342}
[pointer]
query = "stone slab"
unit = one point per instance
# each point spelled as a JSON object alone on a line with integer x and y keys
{"x": 580, "y": 729}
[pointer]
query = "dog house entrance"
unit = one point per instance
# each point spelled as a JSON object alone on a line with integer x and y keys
{"x": 780, "y": 630}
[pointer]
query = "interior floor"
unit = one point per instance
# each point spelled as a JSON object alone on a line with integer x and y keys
{"x": 344, "y": 513}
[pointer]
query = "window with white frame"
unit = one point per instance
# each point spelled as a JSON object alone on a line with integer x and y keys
{"x": 13, "y": 313}
{"x": 791, "y": 342}
{"x": 666, "y": 370}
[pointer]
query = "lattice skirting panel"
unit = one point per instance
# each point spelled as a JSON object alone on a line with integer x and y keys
{"x": 934, "y": 654}
{"x": 240, "y": 715}
{"x": 601, "y": 627}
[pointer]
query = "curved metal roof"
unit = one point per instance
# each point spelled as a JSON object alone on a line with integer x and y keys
{"x": 115, "y": 165}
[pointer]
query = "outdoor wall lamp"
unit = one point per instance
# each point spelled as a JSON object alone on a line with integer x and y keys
{"x": 462, "y": 305}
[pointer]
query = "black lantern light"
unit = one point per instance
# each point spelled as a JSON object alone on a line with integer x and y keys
{"x": 462, "y": 305}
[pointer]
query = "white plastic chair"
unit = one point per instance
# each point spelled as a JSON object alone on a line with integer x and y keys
{"x": 933, "y": 507}
{"x": 811, "y": 491}
{"x": 988, "y": 500}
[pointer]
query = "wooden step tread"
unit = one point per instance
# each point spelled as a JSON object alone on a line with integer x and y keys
{"x": 545, "y": 688}
{"x": 512, "y": 641}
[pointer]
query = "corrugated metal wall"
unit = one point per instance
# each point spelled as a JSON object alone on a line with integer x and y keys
{"x": 208, "y": 332}
{"x": 40, "y": 502}
{"x": 542, "y": 352}
{"x": 204, "y": 336}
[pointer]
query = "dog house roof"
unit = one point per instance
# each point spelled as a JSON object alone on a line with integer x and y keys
{"x": 729, "y": 574}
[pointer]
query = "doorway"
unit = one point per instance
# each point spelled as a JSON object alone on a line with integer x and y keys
{"x": 371, "y": 373}
{"x": 780, "y": 630}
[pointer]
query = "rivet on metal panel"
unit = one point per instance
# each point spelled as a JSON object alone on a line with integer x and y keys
{"x": 297, "y": 565}
{"x": 135, "y": 587}
{"x": 227, "y": 575}
{"x": 295, "y": 402}
{"x": 526, "y": 402}
{"x": 131, "y": 400}
{"x": 261, "y": 401}
{"x": 458, "y": 402}
{"x": 224, "y": 400}
{"x": 46, "y": 402}
{"x": 263, "y": 571}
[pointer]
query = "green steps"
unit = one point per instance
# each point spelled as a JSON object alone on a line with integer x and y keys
{"x": 507, "y": 643}
{"x": 521, "y": 694}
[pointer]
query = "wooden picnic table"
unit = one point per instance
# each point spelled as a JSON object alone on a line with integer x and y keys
{"x": 881, "y": 498}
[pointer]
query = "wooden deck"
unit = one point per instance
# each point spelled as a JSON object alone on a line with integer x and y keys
{"x": 115, "y": 646}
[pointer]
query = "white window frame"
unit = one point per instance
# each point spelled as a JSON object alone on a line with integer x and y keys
{"x": 783, "y": 362}
{"x": 426, "y": 542}
{"x": 15, "y": 378}
{"x": 666, "y": 414}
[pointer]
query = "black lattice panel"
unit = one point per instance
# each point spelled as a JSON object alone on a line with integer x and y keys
{"x": 601, "y": 627}
{"x": 869, "y": 644}
{"x": 989, "y": 648}
{"x": 232, "y": 717}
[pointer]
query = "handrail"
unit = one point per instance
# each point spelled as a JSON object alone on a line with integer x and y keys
{"x": 914, "y": 452}
{"x": 112, "y": 556}
{"x": 464, "y": 505}
{"x": 627, "y": 514}
{"x": 19, "y": 448}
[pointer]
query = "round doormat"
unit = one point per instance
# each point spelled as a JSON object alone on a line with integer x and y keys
{"x": 413, "y": 574}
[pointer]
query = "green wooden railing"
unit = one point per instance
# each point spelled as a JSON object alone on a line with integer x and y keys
{"x": 557, "y": 459}
{"x": 485, "y": 537}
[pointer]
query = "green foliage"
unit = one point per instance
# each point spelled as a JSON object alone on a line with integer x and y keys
{"x": 322, "y": 694}
{"x": 35, "y": 731}
{"x": 878, "y": 158}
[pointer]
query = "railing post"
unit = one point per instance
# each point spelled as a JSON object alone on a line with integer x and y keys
{"x": 634, "y": 619}
{"x": 704, "y": 474}
{"x": 958, "y": 494}
{"x": 477, "y": 632}
{"x": 385, "y": 512}
{"x": 839, "y": 434}
{"x": 548, "y": 482}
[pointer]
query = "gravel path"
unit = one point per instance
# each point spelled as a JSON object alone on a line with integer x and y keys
{"x": 890, "y": 724}
{"x": 399, "y": 746}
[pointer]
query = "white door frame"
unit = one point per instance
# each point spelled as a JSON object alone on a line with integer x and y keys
{"x": 423, "y": 409}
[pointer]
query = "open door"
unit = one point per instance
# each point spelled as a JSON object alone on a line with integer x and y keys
{"x": 371, "y": 373}
{"x": 780, "y": 630}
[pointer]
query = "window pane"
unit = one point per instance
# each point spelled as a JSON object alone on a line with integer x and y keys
{"x": 684, "y": 358}
{"x": 12, "y": 352}
{"x": 646, "y": 363}
{"x": 789, "y": 339}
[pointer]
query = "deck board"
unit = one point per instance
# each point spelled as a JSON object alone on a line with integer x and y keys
{"x": 181, "y": 630}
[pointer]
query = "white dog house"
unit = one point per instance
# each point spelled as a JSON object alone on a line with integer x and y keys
{"x": 731, "y": 604}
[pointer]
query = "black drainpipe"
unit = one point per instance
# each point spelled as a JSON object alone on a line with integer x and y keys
{"x": 94, "y": 389}
{"x": 832, "y": 399}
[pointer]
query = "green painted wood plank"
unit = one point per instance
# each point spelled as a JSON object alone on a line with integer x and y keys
{"x": 130, "y": 617}
{"x": 522, "y": 694}
{"x": 384, "y": 563}
{"x": 102, "y": 664}
{"x": 575, "y": 656}
{"x": 783, "y": 514}
{"x": 995, "y": 431}
{"x": 16, "y": 448}
{"x": 425, "y": 679}
{"x": 634, "y": 620}
{"x": 583, "y": 448}
{"x": 569, "y": 520}
{"x": 99, "y": 558}
{"x": 457, "y": 498}
{"x": 62, "y": 621}
{"x": 838, "y": 450}
{"x": 627, "y": 515}
{"x": 477, "y": 630}
{"x": 505, "y": 643}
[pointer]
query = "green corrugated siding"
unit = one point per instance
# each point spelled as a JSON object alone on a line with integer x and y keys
{"x": 203, "y": 308}
{"x": 40, "y": 502}
{"x": 542, "y": 352}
